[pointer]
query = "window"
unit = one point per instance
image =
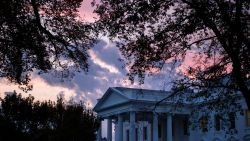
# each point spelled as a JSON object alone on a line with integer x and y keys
{"x": 127, "y": 135}
{"x": 185, "y": 126}
{"x": 145, "y": 136}
{"x": 136, "y": 134}
{"x": 232, "y": 120}
{"x": 203, "y": 123}
{"x": 159, "y": 130}
{"x": 173, "y": 127}
{"x": 217, "y": 122}
{"x": 248, "y": 118}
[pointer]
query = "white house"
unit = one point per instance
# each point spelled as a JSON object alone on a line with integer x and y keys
{"x": 137, "y": 118}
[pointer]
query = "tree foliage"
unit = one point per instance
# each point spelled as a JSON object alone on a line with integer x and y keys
{"x": 41, "y": 35}
{"x": 152, "y": 32}
{"x": 25, "y": 119}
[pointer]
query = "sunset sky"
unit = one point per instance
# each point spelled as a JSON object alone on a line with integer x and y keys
{"x": 105, "y": 71}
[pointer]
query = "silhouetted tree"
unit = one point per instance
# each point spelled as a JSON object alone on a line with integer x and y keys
{"x": 23, "y": 119}
{"x": 152, "y": 32}
{"x": 42, "y": 35}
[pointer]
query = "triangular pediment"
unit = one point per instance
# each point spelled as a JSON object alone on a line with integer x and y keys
{"x": 110, "y": 99}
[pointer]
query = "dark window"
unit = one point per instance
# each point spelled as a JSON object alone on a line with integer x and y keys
{"x": 232, "y": 120}
{"x": 127, "y": 134}
{"x": 217, "y": 122}
{"x": 145, "y": 135}
{"x": 248, "y": 118}
{"x": 185, "y": 126}
{"x": 136, "y": 134}
{"x": 203, "y": 123}
{"x": 173, "y": 127}
{"x": 159, "y": 130}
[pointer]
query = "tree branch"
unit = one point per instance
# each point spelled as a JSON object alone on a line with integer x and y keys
{"x": 43, "y": 29}
{"x": 169, "y": 96}
{"x": 5, "y": 40}
{"x": 204, "y": 39}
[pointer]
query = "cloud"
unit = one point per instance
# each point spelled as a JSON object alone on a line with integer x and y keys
{"x": 86, "y": 11}
{"x": 105, "y": 71}
{"x": 96, "y": 60}
{"x": 41, "y": 91}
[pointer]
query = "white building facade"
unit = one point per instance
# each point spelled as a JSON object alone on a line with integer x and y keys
{"x": 137, "y": 117}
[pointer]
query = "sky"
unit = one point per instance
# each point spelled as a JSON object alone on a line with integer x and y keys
{"x": 105, "y": 71}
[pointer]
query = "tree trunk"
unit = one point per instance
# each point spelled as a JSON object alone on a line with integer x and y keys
{"x": 240, "y": 81}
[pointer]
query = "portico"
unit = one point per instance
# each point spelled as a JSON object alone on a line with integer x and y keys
{"x": 135, "y": 117}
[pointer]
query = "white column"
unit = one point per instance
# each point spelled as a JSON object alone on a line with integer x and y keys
{"x": 169, "y": 128}
{"x": 120, "y": 128}
{"x": 99, "y": 132}
{"x": 109, "y": 130}
{"x": 132, "y": 126}
{"x": 116, "y": 131}
{"x": 155, "y": 127}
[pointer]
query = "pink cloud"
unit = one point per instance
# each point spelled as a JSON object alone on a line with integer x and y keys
{"x": 86, "y": 11}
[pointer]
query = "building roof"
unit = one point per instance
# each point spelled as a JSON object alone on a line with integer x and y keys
{"x": 118, "y": 95}
{"x": 142, "y": 94}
